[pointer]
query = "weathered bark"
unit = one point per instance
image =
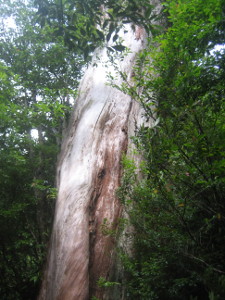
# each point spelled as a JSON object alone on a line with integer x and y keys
{"x": 89, "y": 174}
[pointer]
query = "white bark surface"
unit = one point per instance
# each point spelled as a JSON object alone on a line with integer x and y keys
{"x": 89, "y": 173}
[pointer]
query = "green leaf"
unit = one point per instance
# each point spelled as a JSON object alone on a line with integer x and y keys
{"x": 119, "y": 48}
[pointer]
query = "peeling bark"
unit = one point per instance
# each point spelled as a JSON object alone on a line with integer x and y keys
{"x": 89, "y": 173}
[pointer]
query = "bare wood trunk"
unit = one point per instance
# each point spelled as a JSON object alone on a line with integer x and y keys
{"x": 89, "y": 173}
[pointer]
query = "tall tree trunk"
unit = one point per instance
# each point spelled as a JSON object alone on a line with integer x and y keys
{"x": 89, "y": 173}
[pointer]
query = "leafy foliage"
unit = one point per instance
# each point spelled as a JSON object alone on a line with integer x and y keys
{"x": 178, "y": 209}
{"x": 38, "y": 80}
{"x": 84, "y": 25}
{"x": 102, "y": 282}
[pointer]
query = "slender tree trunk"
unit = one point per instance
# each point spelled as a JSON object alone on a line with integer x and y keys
{"x": 89, "y": 173}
